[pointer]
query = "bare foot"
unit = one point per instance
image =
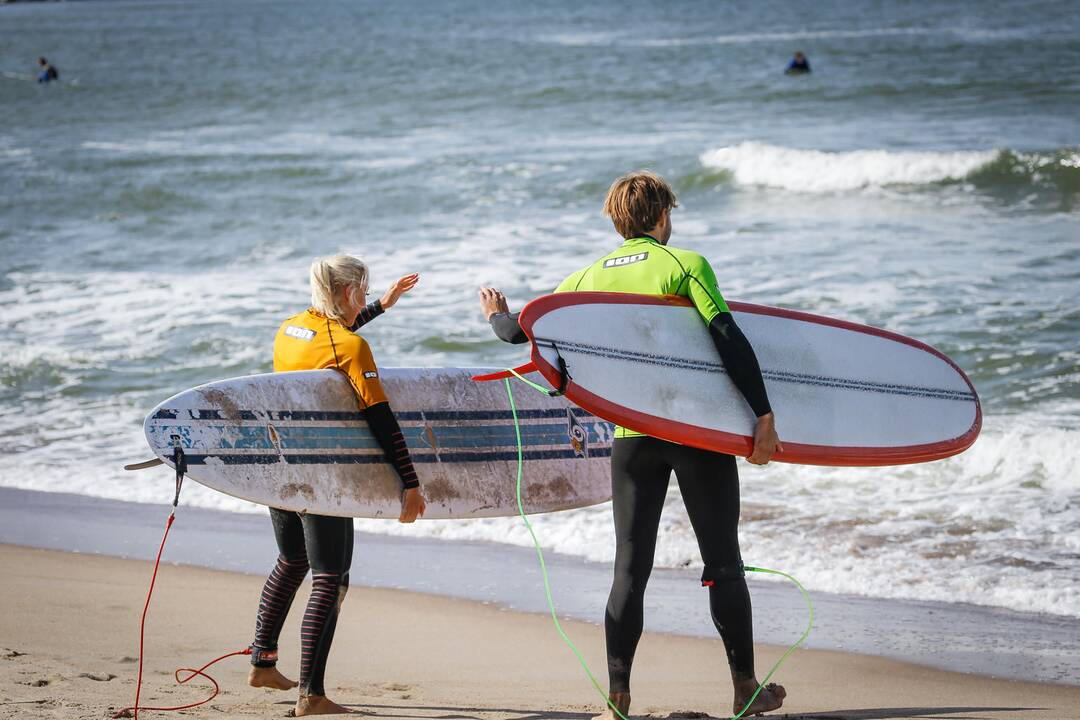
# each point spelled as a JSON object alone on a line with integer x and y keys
{"x": 771, "y": 697}
{"x": 319, "y": 705}
{"x": 621, "y": 701}
{"x": 270, "y": 677}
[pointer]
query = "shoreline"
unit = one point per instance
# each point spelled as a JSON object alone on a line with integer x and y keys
{"x": 964, "y": 638}
{"x": 401, "y": 654}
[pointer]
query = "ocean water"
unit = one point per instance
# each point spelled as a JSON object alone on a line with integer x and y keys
{"x": 159, "y": 207}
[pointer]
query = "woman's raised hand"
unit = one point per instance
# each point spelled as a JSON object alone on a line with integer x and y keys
{"x": 412, "y": 505}
{"x": 399, "y": 288}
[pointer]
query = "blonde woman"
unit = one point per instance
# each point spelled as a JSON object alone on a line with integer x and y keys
{"x": 322, "y": 337}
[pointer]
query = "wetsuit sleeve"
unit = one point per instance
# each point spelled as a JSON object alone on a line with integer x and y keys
{"x": 384, "y": 426}
{"x": 507, "y": 328}
{"x": 369, "y": 313}
{"x": 353, "y": 356}
{"x": 702, "y": 288}
{"x": 740, "y": 362}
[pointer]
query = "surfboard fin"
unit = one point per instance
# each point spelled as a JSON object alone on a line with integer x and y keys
{"x": 503, "y": 374}
{"x": 145, "y": 464}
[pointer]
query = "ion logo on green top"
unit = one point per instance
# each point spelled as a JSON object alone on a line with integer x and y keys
{"x": 642, "y": 265}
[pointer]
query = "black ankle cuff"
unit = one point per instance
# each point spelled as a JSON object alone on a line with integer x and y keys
{"x": 263, "y": 657}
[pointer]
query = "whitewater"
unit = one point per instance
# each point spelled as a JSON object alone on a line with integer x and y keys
{"x": 815, "y": 171}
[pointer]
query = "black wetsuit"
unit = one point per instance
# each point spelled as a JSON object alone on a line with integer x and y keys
{"x": 798, "y": 67}
{"x": 641, "y": 468}
{"x": 48, "y": 74}
{"x": 323, "y": 544}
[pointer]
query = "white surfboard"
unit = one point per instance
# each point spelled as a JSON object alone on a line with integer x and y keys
{"x": 297, "y": 441}
{"x": 843, "y": 394}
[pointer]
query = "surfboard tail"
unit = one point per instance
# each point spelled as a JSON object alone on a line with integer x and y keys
{"x": 525, "y": 369}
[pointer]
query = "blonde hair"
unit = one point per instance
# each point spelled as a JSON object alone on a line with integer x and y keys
{"x": 329, "y": 277}
{"x": 636, "y": 201}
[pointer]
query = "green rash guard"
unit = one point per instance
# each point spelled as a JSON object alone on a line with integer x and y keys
{"x": 642, "y": 265}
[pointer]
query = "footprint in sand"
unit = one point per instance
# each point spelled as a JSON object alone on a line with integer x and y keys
{"x": 404, "y": 692}
{"x": 40, "y": 682}
{"x": 100, "y": 677}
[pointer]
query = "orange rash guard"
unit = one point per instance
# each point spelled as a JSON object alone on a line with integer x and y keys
{"x": 312, "y": 341}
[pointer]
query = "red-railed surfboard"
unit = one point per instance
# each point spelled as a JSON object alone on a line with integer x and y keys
{"x": 843, "y": 393}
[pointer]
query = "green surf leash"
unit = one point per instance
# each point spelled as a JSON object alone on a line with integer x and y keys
{"x": 800, "y": 641}
{"x": 547, "y": 583}
{"x": 522, "y": 378}
{"x": 540, "y": 553}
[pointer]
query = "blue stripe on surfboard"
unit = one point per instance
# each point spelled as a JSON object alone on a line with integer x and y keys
{"x": 297, "y": 438}
{"x": 257, "y": 437}
{"x": 777, "y": 375}
{"x": 373, "y": 458}
{"x": 349, "y": 415}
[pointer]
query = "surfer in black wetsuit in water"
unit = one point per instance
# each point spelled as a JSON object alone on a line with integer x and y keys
{"x": 47, "y": 72}
{"x": 321, "y": 337}
{"x": 799, "y": 65}
{"x": 640, "y": 206}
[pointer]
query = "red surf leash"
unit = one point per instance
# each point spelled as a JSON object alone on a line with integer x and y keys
{"x": 133, "y": 711}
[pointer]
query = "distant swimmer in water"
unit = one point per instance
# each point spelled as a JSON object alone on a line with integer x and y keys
{"x": 47, "y": 73}
{"x": 799, "y": 65}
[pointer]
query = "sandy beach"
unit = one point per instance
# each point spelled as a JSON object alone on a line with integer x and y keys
{"x": 70, "y": 628}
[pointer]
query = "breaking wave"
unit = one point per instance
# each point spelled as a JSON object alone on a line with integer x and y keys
{"x": 817, "y": 171}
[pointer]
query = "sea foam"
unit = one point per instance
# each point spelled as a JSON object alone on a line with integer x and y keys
{"x": 997, "y": 526}
{"x": 817, "y": 171}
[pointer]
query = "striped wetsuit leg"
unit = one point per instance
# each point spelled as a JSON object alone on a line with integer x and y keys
{"x": 280, "y": 587}
{"x": 329, "y": 543}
